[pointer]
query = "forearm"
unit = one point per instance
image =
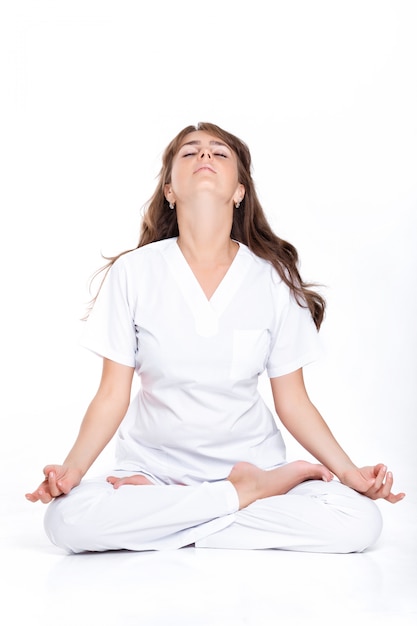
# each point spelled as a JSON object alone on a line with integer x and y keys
{"x": 301, "y": 418}
{"x": 308, "y": 427}
{"x": 99, "y": 425}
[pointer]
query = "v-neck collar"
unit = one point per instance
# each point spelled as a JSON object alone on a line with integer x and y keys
{"x": 206, "y": 311}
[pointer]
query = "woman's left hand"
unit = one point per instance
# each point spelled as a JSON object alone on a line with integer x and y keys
{"x": 373, "y": 481}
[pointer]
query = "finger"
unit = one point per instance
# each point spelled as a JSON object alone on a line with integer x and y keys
{"x": 54, "y": 487}
{"x": 386, "y": 490}
{"x": 327, "y": 475}
{"x": 44, "y": 496}
{"x": 394, "y": 498}
{"x": 377, "y": 468}
{"x": 383, "y": 490}
{"x": 32, "y": 497}
{"x": 64, "y": 486}
{"x": 48, "y": 469}
{"x": 380, "y": 477}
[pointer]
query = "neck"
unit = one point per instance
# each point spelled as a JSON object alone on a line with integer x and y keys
{"x": 206, "y": 250}
{"x": 204, "y": 234}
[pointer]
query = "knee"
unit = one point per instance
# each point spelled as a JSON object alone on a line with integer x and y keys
{"x": 67, "y": 528}
{"x": 374, "y": 524}
{"x": 59, "y": 532}
{"x": 364, "y": 526}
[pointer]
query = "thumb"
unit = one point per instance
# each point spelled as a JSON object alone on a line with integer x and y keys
{"x": 368, "y": 483}
{"x": 68, "y": 481}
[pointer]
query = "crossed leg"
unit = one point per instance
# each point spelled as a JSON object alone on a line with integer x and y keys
{"x": 251, "y": 482}
{"x": 315, "y": 515}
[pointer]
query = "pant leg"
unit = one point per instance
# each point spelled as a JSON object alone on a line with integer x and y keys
{"x": 96, "y": 517}
{"x": 313, "y": 517}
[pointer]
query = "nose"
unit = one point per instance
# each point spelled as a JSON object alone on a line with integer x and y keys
{"x": 205, "y": 152}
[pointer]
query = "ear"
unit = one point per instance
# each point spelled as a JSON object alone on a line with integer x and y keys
{"x": 168, "y": 193}
{"x": 239, "y": 193}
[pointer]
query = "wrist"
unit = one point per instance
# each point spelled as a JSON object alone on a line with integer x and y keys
{"x": 345, "y": 470}
{"x": 75, "y": 467}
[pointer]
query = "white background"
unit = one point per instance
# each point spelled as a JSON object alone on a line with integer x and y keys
{"x": 325, "y": 95}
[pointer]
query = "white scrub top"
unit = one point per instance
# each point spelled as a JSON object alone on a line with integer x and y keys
{"x": 198, "y": 410}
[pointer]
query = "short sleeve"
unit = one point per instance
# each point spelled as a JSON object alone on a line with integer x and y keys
{"x": 295, "y": 342}
{"x": 110, "y": 329}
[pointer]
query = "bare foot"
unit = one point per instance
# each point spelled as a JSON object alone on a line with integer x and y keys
{"x": 252, "y": 483}
{"x": 136, "y": 479}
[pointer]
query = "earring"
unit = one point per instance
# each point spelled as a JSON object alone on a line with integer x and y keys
{"x": 237, "y": 204}
{"x": 172, "y": 205}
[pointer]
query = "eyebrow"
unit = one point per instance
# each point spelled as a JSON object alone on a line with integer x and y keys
{"x": 196, "y": 142}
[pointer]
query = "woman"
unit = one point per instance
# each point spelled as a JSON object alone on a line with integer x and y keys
{"x": 209, "y": 299}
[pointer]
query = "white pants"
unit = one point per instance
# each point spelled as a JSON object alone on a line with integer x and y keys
{"x": 314, "y": 517}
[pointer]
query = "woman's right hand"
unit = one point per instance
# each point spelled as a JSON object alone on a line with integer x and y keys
{"x": 59, "y": 480}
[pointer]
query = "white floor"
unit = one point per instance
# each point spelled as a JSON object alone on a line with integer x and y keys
{"x": 40, "y": 585}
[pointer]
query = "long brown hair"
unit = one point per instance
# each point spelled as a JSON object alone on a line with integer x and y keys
{"x": 250, "y": 225}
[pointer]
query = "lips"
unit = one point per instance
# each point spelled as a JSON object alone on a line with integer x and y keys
{"x": 205, "y": 167}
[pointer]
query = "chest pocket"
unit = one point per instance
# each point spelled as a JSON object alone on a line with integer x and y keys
{"x": 249, "y": 353}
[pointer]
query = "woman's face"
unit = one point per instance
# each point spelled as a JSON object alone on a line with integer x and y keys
{"x": 204, "y": 165}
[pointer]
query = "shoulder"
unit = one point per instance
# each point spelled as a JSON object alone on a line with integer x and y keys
{"x": 150, "y": 253}
{"x": 262, "y": 268}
